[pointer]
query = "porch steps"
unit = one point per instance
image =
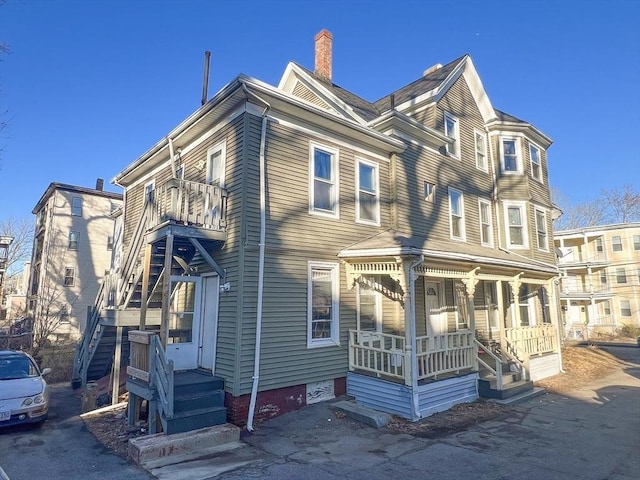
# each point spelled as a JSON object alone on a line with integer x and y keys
{"x": 198, "y": 402}
{"x": 487, "y": 388}
{"x": 102, "y": 359}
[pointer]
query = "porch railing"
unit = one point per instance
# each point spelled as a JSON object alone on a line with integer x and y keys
{"x": 378, "y": 353}
{"x": 532, "y": 340}
{"x": 497, "y": 361}
{"x": 445, "y": 353}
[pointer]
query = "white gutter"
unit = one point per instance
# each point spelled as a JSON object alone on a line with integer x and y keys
{"x": 414, "y": 357}
{"x": 263, "y": 215}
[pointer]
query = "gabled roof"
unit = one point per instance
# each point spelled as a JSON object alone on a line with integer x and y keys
{"x": 73, "y": 189}
{"x": 505, "y": 117}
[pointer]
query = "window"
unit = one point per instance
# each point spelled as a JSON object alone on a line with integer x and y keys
{"x": 367, "y": 203}
{"x": 76, "y": 206}
{"x": 636, "y": 242}
{"x": 149, "y": 190}
{"x": 462, "y": 305}
{"x": 64, "y": 314}
{"x": 625, "y": 308}
{"x": 452, "y": 130}
{"x": 486, "y": 227}
{"x": 110, "y": 242}
{"x": 456, "y": 214}
{"x": 616, "y": 243}
{"x": 621, "y": 275}
{"x": 73, "y": 240}
{"x": 599, "y": 247}
{"x": 510, "y": 159}
{"x": 112, "y": 207}
{"x": 516, "y": 227}
{"x": 481, "y": 150}
{"x": 603, "y": 277}
{"x": 430, "y": 192}
{"x": 324, "y": 178}
{"x": 369, "y": 307}
{"x": 536, "y": 168}
{"x": 541, "y": 229}
{"x": 606, "y": 306}
{"x": 216, "y": 164}
{"x": 180, "y": 172}
{"x": 69, "y": 276}
{"x": 323, "y": 313}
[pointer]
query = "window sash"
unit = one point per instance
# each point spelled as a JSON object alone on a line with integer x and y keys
{"x": 456, "y": 210}
{"x": 322, "y": 305}
{"x": 368, "y": 203}
{"x": 616, "y": 243}
{"x": 69, "y": 276}
{"x": 481, "y": 151}
{"x": 636, "y": 242}
{"x": 541, "y": 226}
{"x": 510, "y": 160}
{"x": 516, "y": 227}
{"x": 621, "y": 275}
{"x": 324, "y": 181}
{"x": 76, "y": 206}
{"x": 485, "y": 223}
{"x": 452, "y": 130}
{"x": 74, "y": 237}
{"x": 625, "y": 308}
{"x": 536, "y": 171}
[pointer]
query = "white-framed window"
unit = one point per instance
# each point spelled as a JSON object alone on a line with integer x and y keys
{"x": 541, "y": 230}
{"x": 486, "y": 224}
{"x": 74, "y": 238}
{"x": 606, "y": 306}
{"x": 536, "y": 162}
{"x": 625, "y": 308}
{"x": 64, "y": 313}
{"x": 69, "y": 276}
{"x": 481, "y": 150}
{"x": 216, "y": 164}
{"x": 323, "y": 304}
{"x": 462, "y": 305}
{"x": 180, "y": 172}
{"x": 149, "y": 190}
{"x": 452, "y": 130}
{"x": 515, "y": 215}
{"x": 456, "y": 214}
{"x": 603, "y": 277}
{"x": 323, "y": 174}
{"x": 616, "y": 243}
{"x": 430, "y": 192}
{"x": 109, "y": 242}
{"x": 367, "y": 192}
{"x": 599, "y": 246}
{"x": 369, "y": 307}
{"x": 636, "y": 242}
{"x": 621, "y": 275}
{"x": 76, "y": 206}
{"x": 510, "y": 161}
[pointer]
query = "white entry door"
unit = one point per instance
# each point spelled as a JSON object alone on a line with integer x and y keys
{"x": 184, "y": 322}
{"x": 436, "y": 319}
{"x": 209, "y": 324}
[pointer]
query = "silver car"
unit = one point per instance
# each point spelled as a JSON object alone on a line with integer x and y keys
{"x": 24, "y": 394}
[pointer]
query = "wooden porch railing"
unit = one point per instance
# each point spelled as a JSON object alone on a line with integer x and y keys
{"x": 532, "y": 340}
{"x": 445, "y": 353}
{"x": 378, "y": 353}
{"x": 497, "y": 371}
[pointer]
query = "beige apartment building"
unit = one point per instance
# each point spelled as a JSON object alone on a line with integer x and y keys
{"x": 600, "y": 278}
{"x": 72, "y": 248}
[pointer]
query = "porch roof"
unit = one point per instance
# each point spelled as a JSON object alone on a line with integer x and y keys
{"x": 396, "y": 243}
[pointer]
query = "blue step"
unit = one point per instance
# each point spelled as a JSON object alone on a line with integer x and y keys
{"x": 196, "y": 419}
{"x": 183, "y": 402}
{"x": 487, "y": 390}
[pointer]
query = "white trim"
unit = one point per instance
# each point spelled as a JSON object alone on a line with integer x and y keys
{"x": 456, "y": 153}
{"x": 546, "y": 227}
{"x": 518, "y": 154}
{"x": 222, "y": 148}
{"x": 334, "y": 339}
{"x": 335, "y": 180}
{"x": 539, "y": 179}
{"x": 477, "y": 133}
{"x": 487, "y": 203}
{"x": 524, "y": 218}
{"x": 376, "y": 180}
{"x": 462, "y": 236}
{"x": 244, "y": 108}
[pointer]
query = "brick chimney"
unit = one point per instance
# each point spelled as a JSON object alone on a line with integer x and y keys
{"x": 323, "y": 54}
{"x": 99, "y": 184}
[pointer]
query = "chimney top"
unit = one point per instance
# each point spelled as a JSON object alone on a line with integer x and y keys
{"x": 99, "y": 184}
{"x": 324, "y": 40}
{"x": 432, "y": 69}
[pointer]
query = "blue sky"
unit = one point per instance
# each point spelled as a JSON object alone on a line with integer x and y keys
{"x": 91, "y": 85}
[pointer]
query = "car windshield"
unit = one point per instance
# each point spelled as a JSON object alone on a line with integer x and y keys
{"x": 12, "y": 368}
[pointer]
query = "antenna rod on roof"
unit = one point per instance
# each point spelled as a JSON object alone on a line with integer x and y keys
{"x": 205, "y": 80}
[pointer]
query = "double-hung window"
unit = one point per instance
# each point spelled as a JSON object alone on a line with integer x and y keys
{"x": 323, "y": 167}
{"x": 323, "y": 301}
{"x": 486, "y": 225}
{"x": 536, "y": 162}
{"x": 367, "y": 194}
{"x": 621, "y": 275}
{"x": 76, "y": 206}
{"x": 69, "y": 276}
{"x": 149, "y": 189}
{"x": 541, "y": 229}
{"x": 616, "y": 243}
{"x": 452, "y": 130}
{"x": 599, "y": 246}
{"x": 74, "y": 237}
{"x": 510, "y": 161}
{"x": 636, "y": 242}
{"x": 516, "y": 227}
{"x": 481, "y": 150}
{"x": 625, "y": 308}
{"x": 369, "y": 307}
{"x": 456, "y": 214}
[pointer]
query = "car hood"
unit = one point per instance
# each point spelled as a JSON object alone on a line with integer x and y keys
{"x": 20, "y": 387}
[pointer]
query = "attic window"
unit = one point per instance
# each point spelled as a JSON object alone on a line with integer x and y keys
{"x": 452, "y": 130}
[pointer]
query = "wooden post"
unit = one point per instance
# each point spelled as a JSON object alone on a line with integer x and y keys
{"x": 166, "y": 290}
{"x": 501, "y": 315}
{"x": 145, "y": 286}
{"x": 115, "y": 388}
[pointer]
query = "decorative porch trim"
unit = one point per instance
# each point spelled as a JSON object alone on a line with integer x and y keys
{"x": 393, "y": 269}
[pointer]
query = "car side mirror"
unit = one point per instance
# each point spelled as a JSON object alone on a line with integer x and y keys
{"x": 46, "y": 371}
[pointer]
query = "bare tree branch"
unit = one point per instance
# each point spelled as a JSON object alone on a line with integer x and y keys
{"x": 623, "y": 204}
{"x": 21, "y": 229}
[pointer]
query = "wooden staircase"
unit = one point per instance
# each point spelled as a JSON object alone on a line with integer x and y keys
{"x": 102, "y": 359}
{"x": 512, "y": 379}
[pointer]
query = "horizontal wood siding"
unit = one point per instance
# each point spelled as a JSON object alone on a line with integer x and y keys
{"x": 442, "y": 395}
{"x": 380, "y": 395}
{"x": 544, "y": 366}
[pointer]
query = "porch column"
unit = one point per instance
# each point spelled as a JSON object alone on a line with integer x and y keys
{"x": 553, "y": 312}
{"x": 501, "y": 315}
{"x": 166, "y": 290}
{"x": 515, "y": 285}
{"x": 470, "y": 286}
{"x": 410, "y": 364}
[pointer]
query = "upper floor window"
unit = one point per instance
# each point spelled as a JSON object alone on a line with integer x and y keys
{"x": 606, "y": 306}
{"x": 621, "y": 275}
{"x": 456, "y": 214}
{"x": 616, "y": 243}
{"x": 74, "y": 237}
{"x": 603, "y": 277}
{"x": 323, "y": 166}
{"x": 516, "y": 227}
{"x": 481, "y": 150}
{"x": 64, "y": 314}
{"x": 216, "y": 165}
{"x": 367, "y": 195}
{"x": 323, "y": 315}
{"x": 76, "y": 206}
{"x": 109, "y": 242}
{"x": 430, "y": 192}
{"x": 599, "y": 246}
{"x": 636, "y": 242}
{"x": 486, "y": 227}
{"x": 510, "y": 161}
{"x": 369, "y": 308}
{"x": 180, "y": 172}
{"x": 69, "y": 276}
{"x": 452, "y": 130}
{"x": 625, "y": 308}
{"x": 536, "y": 168}
{"x": 149, "y": 190}
{"x": 541, "y": 229}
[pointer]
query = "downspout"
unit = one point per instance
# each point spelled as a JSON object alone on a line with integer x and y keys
{"x": 263, "y": 220}
{"x": 414, "y": 357}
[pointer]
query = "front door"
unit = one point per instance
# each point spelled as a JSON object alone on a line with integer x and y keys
{"x": 184, "y": 322}
{"x": 436, "y": 319}
{"x": 209, "y": 324}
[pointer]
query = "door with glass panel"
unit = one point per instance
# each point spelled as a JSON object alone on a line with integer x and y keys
{"x": 184, "y": 322}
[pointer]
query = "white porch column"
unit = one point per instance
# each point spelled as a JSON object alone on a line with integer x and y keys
{"x": 515, "y": 291}
{"x": 470, "y": 286}
{"x": 410, "y": 363}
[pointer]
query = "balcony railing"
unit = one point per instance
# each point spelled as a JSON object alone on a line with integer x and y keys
{"x": 577, "y": 257}
{"x": 189, "y": 203}
{"x": 577, "y": 289}
{"x": 534, "y": 340}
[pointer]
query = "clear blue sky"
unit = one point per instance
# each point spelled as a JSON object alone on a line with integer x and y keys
{"x": 91, "y": 85}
